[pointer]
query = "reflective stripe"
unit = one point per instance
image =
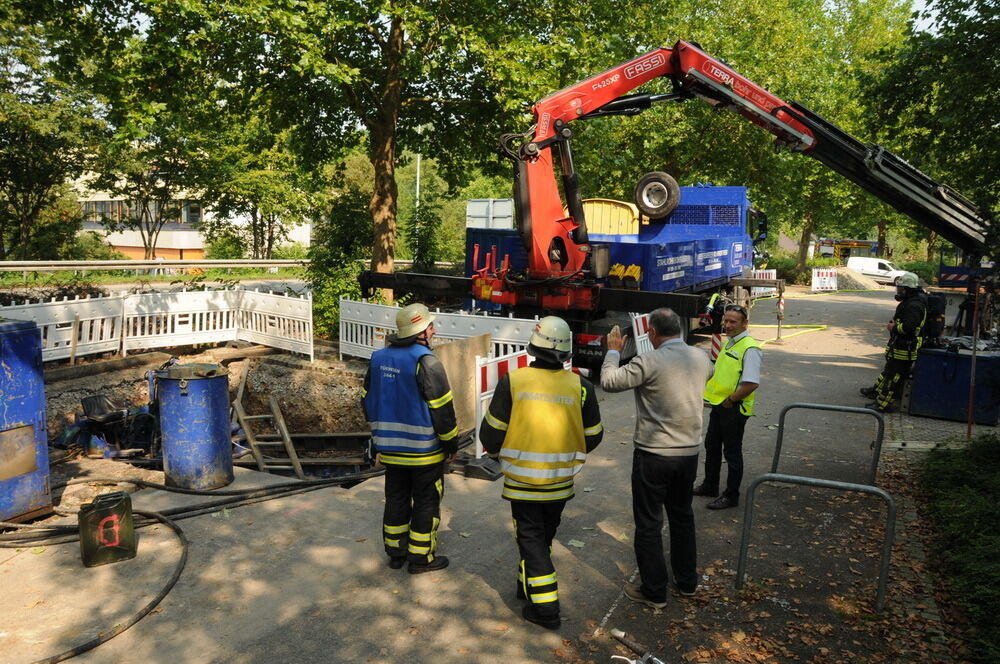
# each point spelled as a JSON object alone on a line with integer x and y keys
{"x": 420, "y": 537}
{"x": 537, "y": 487}
{"x": 408, "y": 444}
{"x": 418, "y": 549}
{"x": 594, "y": 430}
{"x": 395, "y": 460}
{"x": 542, "y": 580}
{"x": 364, "y": 393}
{"x": 403, "y": 428}
{"x": 390, "y": 542}
{"x": 495, "y": 423}
{"x": 448, "y": 436}
{"x": 511, "y": 494}
{"x": 440, "y": 401}
{"x": 542, "y": 457}
{"x": 395, "y": 530}
{"x": 543, "y": 598}
{"x": 509, "y": 468}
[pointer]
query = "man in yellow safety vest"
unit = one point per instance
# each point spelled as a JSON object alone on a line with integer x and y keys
{"x": 731, "y": 393}
{"x": 542, "y": 422}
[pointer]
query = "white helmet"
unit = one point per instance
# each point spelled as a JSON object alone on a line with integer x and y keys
{"x": 413, "y": 319}
{"x": 552, "y": 333}
{"x": 908, "y": 280}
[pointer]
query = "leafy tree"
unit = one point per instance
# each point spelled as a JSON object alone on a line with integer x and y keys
{"x": 45, "y": 132}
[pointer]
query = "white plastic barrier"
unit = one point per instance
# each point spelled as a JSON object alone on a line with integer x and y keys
{"x": 157, "y": 320}
{"x": 824, "y": 279}
{"x": 756, "y": 291}
{"x": 489, "y": 371}
{"x": 640, "y": 332}
{"x": 364, "y": 326}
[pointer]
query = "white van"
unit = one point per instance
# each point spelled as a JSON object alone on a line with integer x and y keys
{"x": 878, "y": 269}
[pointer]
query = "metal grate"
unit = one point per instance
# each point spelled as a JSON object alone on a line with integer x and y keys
{"x": 714, "y": 215}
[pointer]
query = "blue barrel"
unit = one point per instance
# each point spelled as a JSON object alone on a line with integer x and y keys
{"x": 24, "y": 452}
{"x": 193, "y": 402}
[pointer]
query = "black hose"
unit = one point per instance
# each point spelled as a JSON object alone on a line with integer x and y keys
{"x": 239, "y": 498}
{"x": 107, "y": 636}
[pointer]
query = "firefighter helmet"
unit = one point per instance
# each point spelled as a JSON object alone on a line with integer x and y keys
{"x": 413, "y": 319}
{"x": 908, "y": 280}
{"x": 552, "y": 333}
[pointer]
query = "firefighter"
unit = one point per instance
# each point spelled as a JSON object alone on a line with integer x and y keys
{"x": 905, "y": 338}
{"x": 408, "y": 404}
{"x": 542, "y": 422}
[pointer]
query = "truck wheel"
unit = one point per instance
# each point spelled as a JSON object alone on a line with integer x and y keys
{"x": 656, "y": 194}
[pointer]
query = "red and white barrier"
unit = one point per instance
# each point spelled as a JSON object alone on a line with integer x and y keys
{"x": 640, "y": 332}
{"x": 490, "y": 370}
{"x": 756, "y": 292}
{"x": 716, "y": 346}
{"x": 824, "y": 279}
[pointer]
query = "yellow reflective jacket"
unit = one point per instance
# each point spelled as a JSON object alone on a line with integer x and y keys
{"x": 728, "y": 370}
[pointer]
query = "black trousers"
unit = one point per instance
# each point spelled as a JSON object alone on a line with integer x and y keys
{"x": 660, "y": 482}
{"x": 890, "y": 383}
{"x": 535, "y": 525}
{"x": 412, "y": 511}
{"x": 725, "y": 438}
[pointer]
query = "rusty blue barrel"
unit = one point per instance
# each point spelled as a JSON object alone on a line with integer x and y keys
{"x": 24, "y": 457}
{"x": 193, "y": 403}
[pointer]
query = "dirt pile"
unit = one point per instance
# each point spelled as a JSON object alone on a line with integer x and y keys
{"x": 848, "y": 279}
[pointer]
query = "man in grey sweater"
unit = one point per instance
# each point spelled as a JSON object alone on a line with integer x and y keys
{"x": 668, "y": 384}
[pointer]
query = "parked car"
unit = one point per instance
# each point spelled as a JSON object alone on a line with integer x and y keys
{"x": 878, "y": 269}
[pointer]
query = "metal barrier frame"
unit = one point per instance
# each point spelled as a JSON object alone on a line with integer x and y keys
{"x": 890, "y": 526}
{"x": 877, "y": 446}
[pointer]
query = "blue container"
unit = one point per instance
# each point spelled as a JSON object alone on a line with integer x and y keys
{"x": 940, "y": 386}
{"x": 193, "y": 401}
{"x": 24, "y": 456}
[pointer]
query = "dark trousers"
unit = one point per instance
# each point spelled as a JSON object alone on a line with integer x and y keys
{"x": 725, "y": 438}
{"x": 660, "y": 482}
{"x": 890, "y": 383}
{"x": 412, "y": 511}
{"x": 535, "y": 527}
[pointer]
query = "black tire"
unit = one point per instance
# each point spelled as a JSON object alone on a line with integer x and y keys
{"x": 895, "y": 282}
{"x": 656, "y": 194}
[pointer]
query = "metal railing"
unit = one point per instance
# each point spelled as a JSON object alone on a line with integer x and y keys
{"x": 207, "y": 263}
{"x": 890, "y": 526}
{"x": 876, "y": 444}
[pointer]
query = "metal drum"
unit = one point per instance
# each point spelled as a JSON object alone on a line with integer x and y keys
{"x": 24, "y": 452}
{"x": 193, "y": 404}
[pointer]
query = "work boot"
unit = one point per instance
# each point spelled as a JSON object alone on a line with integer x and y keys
{"x": 439, "y": 562}
{"x": 634, "y": 592}
{"x": 703, "y": 490}
{"x": 891, "y": 408}
{"x": 725, "y": 502}
{"x": 548, "y": 622}
{"x": 868, "y": 392}
{"x": 397, "y": 562}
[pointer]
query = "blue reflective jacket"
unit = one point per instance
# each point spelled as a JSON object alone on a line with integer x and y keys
{"x": 400, "y": 418}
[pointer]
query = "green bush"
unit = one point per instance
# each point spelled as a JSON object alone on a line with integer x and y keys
{"x": 785, "y": 268}
{"x": 924, "y": 269}
{"x": 822, "y": 261}
{"x": 963, "y": 502}
{"x": 293, "y": 251}
{"x": 225, "y": 247}
{"x": 90, "y": 246}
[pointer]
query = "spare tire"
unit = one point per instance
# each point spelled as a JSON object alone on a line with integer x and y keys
{"x": 656, "y": 194}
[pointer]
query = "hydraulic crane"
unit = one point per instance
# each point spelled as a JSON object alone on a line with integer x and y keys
{"x": 554, "y": 231}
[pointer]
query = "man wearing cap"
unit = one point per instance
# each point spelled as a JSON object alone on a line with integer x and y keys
{"x": 905, "y": 338}
{"x": 542, "y": 422}
{"x": 408, "y": 404}
{"x": 731, "y": 394}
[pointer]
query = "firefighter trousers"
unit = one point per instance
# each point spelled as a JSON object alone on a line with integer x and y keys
{"x": 412, "y": 511}
{"x": 535, "y": 525}
{"x": 890, "y": 383}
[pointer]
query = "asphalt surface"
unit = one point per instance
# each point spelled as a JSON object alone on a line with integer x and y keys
{"x": 303, "y": 579}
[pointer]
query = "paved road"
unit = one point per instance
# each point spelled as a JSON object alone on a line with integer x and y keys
{"x": 303, "y": 579}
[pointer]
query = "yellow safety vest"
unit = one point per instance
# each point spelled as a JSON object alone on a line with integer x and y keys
{"x": 544, "y": 443}
{"x": 728, "y": 370}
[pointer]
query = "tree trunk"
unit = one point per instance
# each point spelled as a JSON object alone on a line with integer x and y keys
{"x": 883, "y": 232}
{"x": 385, "y": 194}
{"x": 805, "y": 240}
{"x": 932, "y": 242}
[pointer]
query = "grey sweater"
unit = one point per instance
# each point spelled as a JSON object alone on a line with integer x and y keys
{"x": 668, "y": 382}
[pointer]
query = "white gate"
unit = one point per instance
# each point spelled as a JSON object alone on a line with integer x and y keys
{"x": 364, "y": 326}
{"x": 756, "y": 291}
{"x": 157, "y": 320}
